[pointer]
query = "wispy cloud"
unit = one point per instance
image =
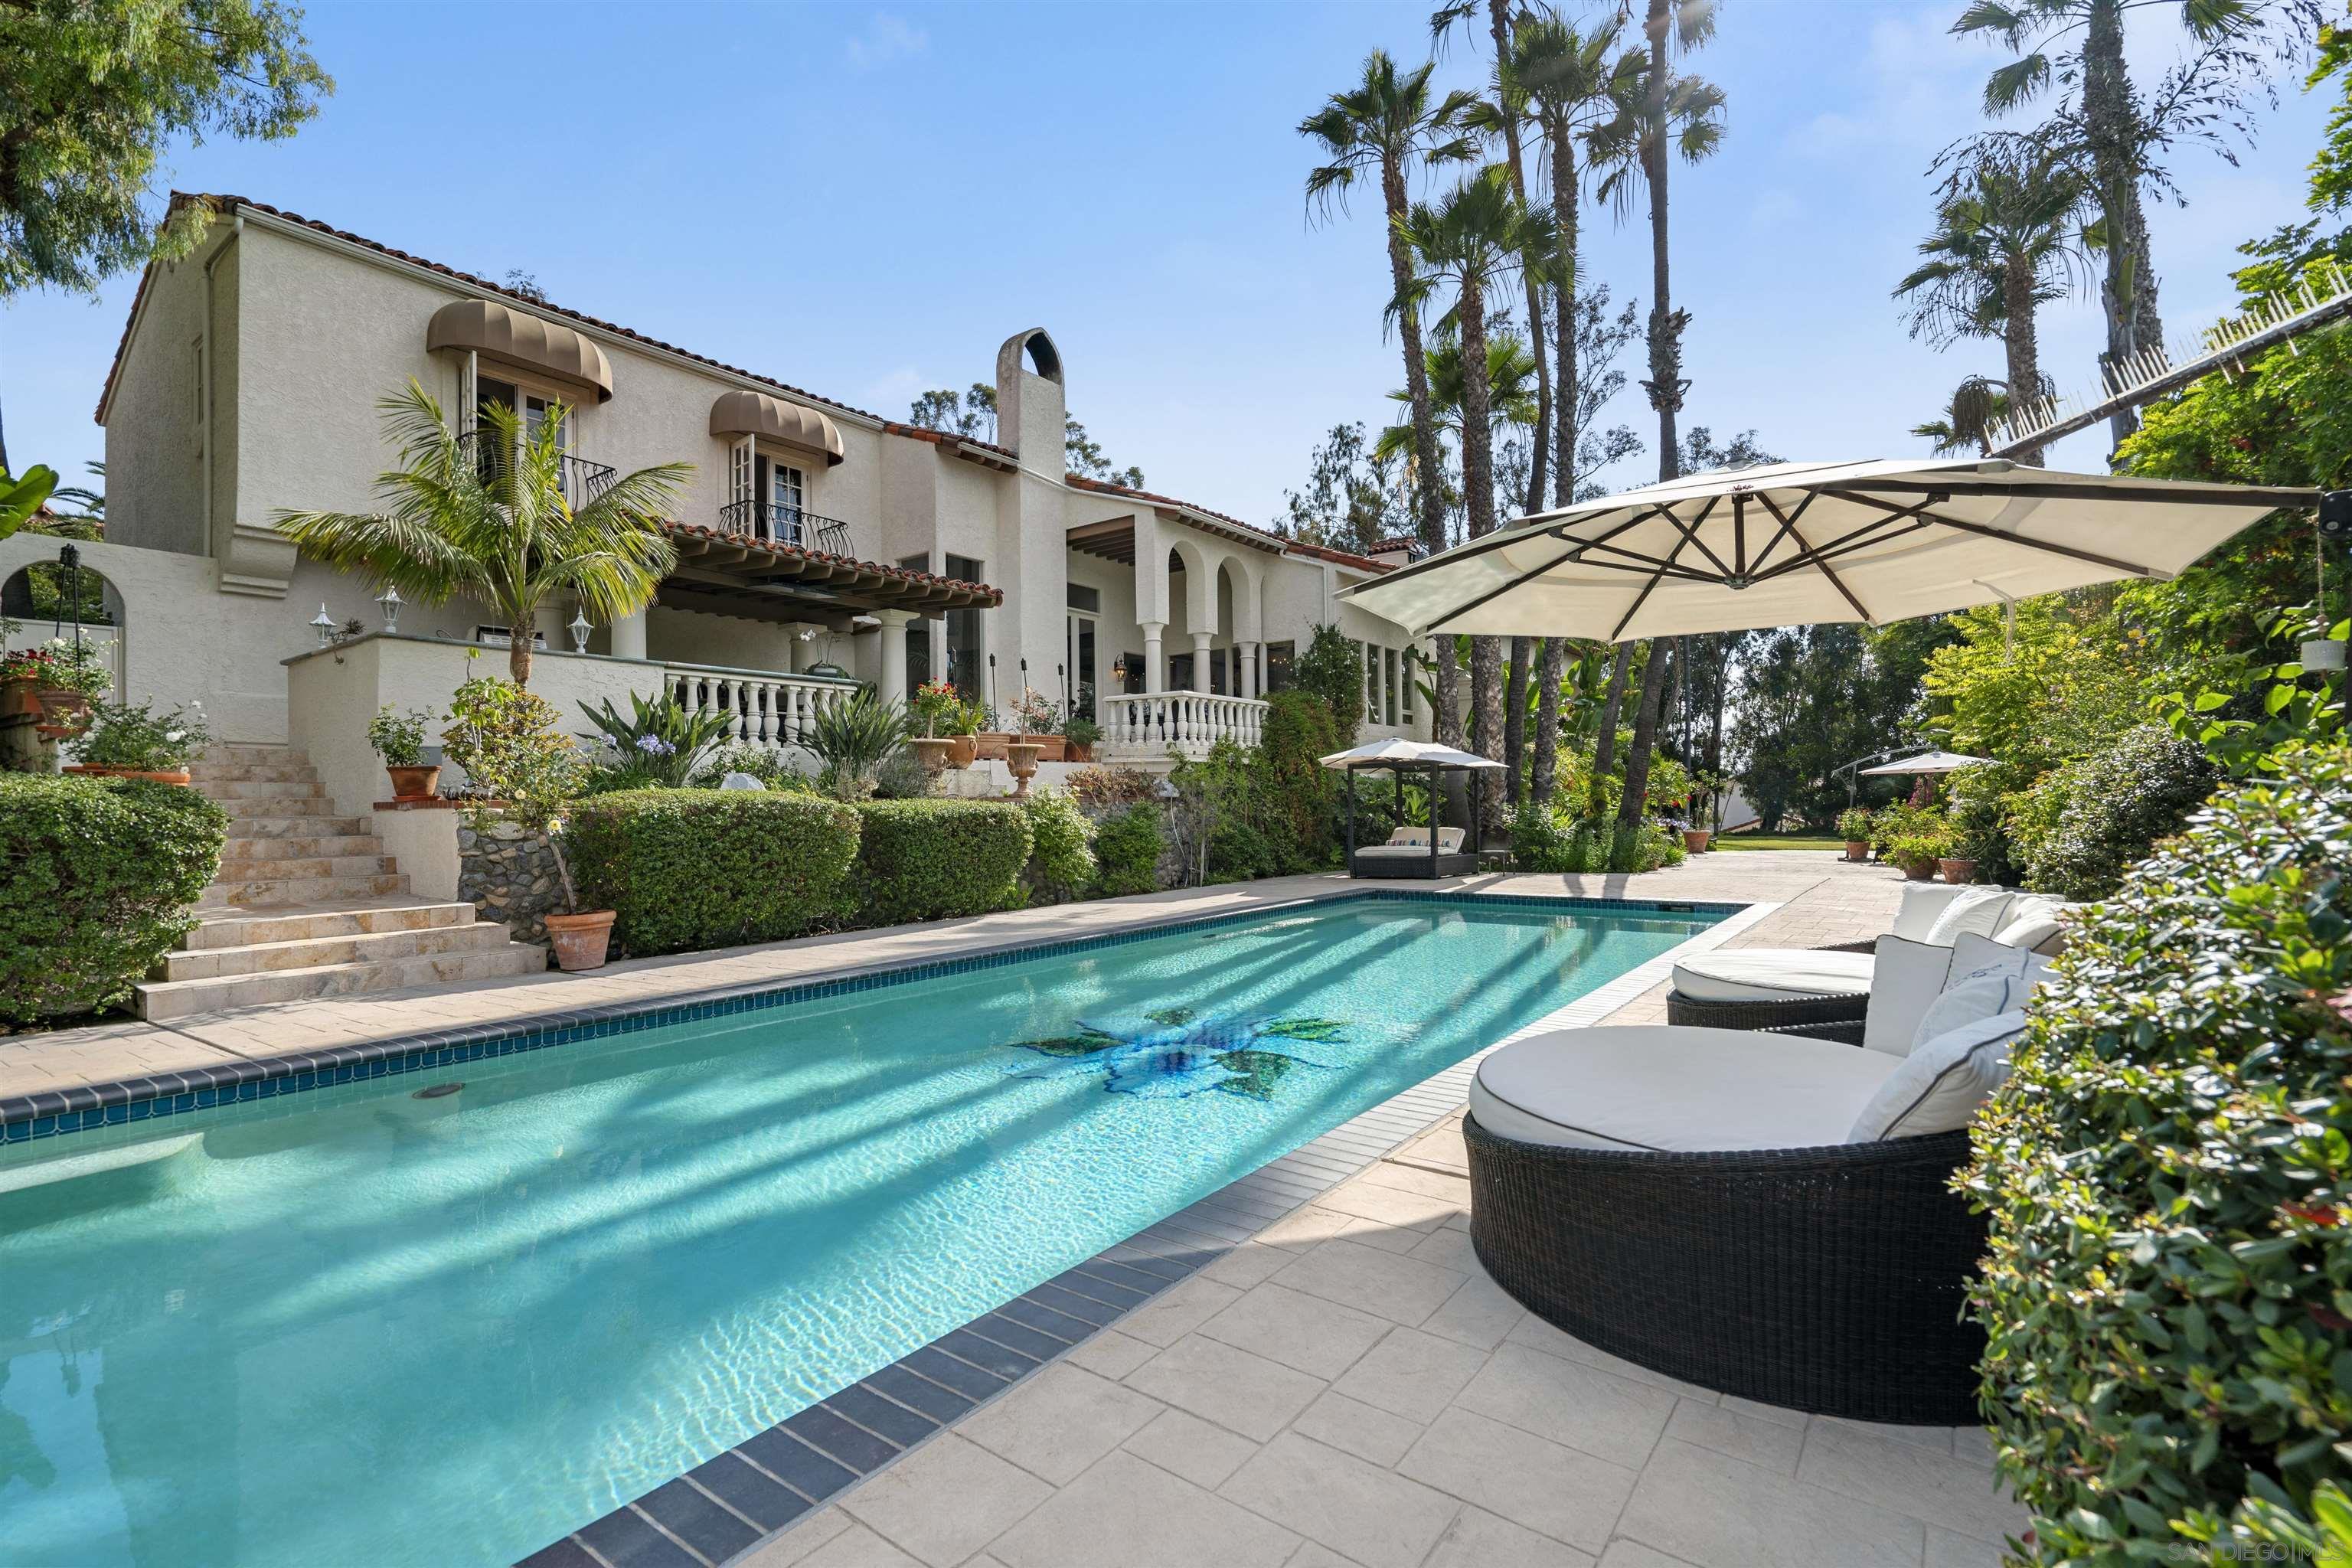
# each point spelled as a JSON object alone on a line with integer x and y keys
{"x": 887, "y": 38}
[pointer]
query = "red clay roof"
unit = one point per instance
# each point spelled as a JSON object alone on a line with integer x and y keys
{"x": 1341, "y": 557}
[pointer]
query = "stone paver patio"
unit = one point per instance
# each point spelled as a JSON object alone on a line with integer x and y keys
{"x": 1346, "y": 1387}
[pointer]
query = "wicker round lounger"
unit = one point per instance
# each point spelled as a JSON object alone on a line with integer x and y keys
{"x": 1776, "y": 1013}
{"x": 1828, "y": 1280}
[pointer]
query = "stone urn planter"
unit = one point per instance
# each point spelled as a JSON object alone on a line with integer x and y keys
{"x": 422, "y": 782}
{"x": 1695, "y": 839}
{"x": 107, "y": 770}
{"x": 1021, "y": 756}
{"x": 580, "y": 940}
{"x": 1958, "y": 871}
{"x": 934, "y": 755}
{"x": 1857, "y": 849}
{"x": 962, "y": 751}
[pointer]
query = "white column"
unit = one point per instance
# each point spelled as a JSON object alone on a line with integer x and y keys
{"x": 1155, "y": 674}
{"x": 893, "y": 685}
{"x": 1200, "y": 661}
{"x": 628, "y": 636}
{"x": 1252, "y": 684}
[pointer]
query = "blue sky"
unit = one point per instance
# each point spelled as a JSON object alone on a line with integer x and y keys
{"x": 866, "y": 200}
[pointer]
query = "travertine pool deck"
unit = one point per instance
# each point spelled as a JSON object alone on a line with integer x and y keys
{"x": 1341, "y": 1385}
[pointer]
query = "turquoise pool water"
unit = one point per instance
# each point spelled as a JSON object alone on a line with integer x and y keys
{"x": 353, "y": 1326}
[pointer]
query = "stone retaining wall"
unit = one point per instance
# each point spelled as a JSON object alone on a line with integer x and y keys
{"x": 509, "y": 874}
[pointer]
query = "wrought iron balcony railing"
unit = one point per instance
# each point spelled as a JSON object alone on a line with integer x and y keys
{"x": 773, "y": 522}
{"x": 581, "y": 480}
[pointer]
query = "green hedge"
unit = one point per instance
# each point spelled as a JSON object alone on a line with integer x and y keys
{"x": 686, "y": 869}
{"x": 1061, "y": 850}
{"x": 935, "y": 859}
{"x": 2084, "y": 825}
{"x": 2169, "y": 1180}
{"x": 97, "y": 877}
{"x": 1127, "y": 851}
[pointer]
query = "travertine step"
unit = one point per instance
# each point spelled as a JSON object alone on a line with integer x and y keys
{"x": 227, "y": 790}
{"x": 246, "y": 870}
{"x": 265, "y": 892}
{"x": 252, "y": 752}
{"x": 238, "y": 928}
{"x": 269, "y": 809}
{"x": 178, "y": 998}
{"x": 207, "y": 773}
{"x": 298, "y": 846}
{"x": 309, "y": 952}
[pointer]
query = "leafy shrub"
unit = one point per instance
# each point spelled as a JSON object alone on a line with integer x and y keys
{"x": 99, "y": 875}
{"x": 1854, "y": 824}
{"x": 936, "y": 859}
{"x": 1061, "y": 850}
{"x": 133, "y": 735}
{"x": 1127, "y": 851}
{"x": 1332, "y": 669}
{"x": 753, "y": 761}
{"x": 1101, "y": 788}
{"x": 2090, "y": 820}
{"x": 853, "y": 739}
{"x": 658, "y": 743}
{"x": 901, "y": 776}
{"x": 504, "y": 736}
{"x": 2170, "y": 1287}
{"x": 685, "y": 869}
{"x": 1980, "y": 800}
{"x": 1547, "y": 839}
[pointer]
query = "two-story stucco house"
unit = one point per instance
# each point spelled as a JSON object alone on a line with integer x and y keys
{"x": 814, "y": 538}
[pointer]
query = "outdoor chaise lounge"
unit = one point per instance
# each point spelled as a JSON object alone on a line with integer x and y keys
{"x": 1407, "y": 854}
{"x": 1764, "y": 1215}
{"x": 1825, "y": 990}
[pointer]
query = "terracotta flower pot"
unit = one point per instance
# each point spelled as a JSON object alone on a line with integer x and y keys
{"x": 19, "y": 696}
{"x": 1695, "y": 839}
{"x": 580, "y": 940}
{"x": 990, "y": 744}
{"x": 1958, "y": 871}
{"x": 107, "y": 770}
{"x": 1920, "y": 870}
{"x": 1050, "y": 748}
{"x": 1021, "y": 756}
{"x": 1857, "y": 849}
{"x": 62, "y": 704}
{"x": 414, "y": 784}
{"x": 933, "y": 753}
{"x": 962, "y": 751}
{"x": 1077, "y": 750}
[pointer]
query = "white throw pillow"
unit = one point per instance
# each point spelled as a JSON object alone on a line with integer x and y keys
{"x": 1975, "y": 911}
{"x": 1939, "y": 1086}
{"x": 1964, "y": 1000}
{"x": 1904, "y": 981}
{"x": 1922, "y": 903}
{"x": 1974, "y": 957}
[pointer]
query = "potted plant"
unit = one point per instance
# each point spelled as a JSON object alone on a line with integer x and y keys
{"x": 73, "y": 673}
{"x": 991, "y": 738}
{"x": 1854, "y": 826}
{"x": 1034, "y": 714}
{"x": 399, "y": 738}
{"x": 964, "y": 735}
{"x": 131, "y": 739}
{"x": 505, "y": 739}
{"x": 1919, "y": 847}
{"x": 936, "y": 703}
{"x": 1078, "y": 738}
{"x": 1695, "y": 839}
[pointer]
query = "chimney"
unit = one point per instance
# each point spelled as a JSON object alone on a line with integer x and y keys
{"x": 1030, "y": 406}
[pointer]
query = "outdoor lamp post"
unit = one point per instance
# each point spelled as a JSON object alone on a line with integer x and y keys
{"x": 69, "y": 557}
{"x": 580, "y": 629}
{"x": 325, "y": 625}
{"x": 388, "y": 602}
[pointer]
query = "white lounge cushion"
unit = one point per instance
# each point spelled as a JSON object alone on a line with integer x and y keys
{"x": 1970, "y": 911}
{"x": 1971, "y": 997}
{"x": 1449, "y": 839}
{"x": 1904, "y": 981}
{"x": 2034, "y": 922}
{"x": 1939, "y": 1087}
{"x": 1662, "y": 1087}
{"x": 1771, "y": 974}
{"x": 1922, "y": 903}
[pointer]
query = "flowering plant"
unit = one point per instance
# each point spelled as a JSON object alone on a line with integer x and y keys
{"x": 655, "y": 746}
{"x": 1037, "y": 712}
{"x": 936, "y": 703}
{"x": 60, "y": 666}
{"x": 133, "y": 735}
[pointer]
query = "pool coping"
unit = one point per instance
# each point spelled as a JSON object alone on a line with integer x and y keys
{"x": 743, "y": 1497}
{"x": 115, "y": 1103}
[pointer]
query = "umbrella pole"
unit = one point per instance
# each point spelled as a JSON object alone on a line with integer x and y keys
{"x": 1351, "y": 820}
{"x": 1432, "y": 822}
{"x": 1477, "y": 820}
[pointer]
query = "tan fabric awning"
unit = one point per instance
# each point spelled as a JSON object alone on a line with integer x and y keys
{"x": 509, "y": 336}
{"x": 774, "y": 419}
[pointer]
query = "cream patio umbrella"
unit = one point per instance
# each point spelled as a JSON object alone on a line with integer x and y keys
{"x": 1796, "y": 544}
{"x": 1395, "y": 756}
{"x": 1925, "y": 762}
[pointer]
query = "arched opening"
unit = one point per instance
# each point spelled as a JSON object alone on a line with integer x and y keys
{"x": 1044, "y": 358}
{"x": 52, "y": 599}
{"x": 1223, "y": 658}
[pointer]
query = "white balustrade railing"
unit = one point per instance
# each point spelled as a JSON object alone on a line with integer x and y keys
{"x": 1186, "y": 722}
{"x": 773, "y": 711}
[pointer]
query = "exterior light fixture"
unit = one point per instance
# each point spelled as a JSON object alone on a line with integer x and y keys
{"x": 389, "y": 603}
{"x": 325, "y": 624}
{"x": 580, "y": 629}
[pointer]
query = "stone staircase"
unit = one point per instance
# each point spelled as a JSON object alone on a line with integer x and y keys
{"x": 308, "y": 904}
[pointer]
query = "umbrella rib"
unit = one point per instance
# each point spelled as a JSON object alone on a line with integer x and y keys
{"x": 1523, "y": 578}
{"x": 1982, "y": 532}
{"x": 1689, "y": 531}
{"x": 1810, "y": 556}
{"x": 1655, "y": 578}
{"x": 1845, "y": 546}
{"x": 1787, "y": 522}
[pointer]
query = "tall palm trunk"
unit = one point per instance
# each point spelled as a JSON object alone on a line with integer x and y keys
{"x": 1478, "y": 487}
{"x": 1515, "y": 685}
{"x": 1630, "y": 809}
{"x": 2021, "y": 342}
{"x": 1544, "y": 768}
{"x": 518, "y": 654}
{"x": 2111, "y": 123}
{"x": 1613, "y": 706}
{"x": 1428, "y": 488}
{"x": 1515, "y": 718}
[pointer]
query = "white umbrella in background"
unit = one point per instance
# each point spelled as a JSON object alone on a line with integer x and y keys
{"x": 1797, "y": 543}
{"x": 1395, "y": 754}
{"x": 1925, "y": 763}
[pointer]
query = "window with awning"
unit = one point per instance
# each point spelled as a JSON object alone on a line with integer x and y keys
{"x": 543, "y": 350}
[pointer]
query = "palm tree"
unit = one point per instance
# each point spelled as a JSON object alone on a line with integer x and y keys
{"x": 502, "y": 531}
{"x": 1673, "y": 114}
{"x": 1380, "y": 128}
{"x": 2006, "y": 242}
{"x": 1472, "y": 239}
{"x": 2114, "y": 133}
{"x": 1510, "y": 391}
{"x": 1977, "y": 404}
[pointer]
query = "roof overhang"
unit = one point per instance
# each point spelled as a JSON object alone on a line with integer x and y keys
{"x": 725, "y": 574}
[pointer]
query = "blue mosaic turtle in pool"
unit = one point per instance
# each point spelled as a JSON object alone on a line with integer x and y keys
{"x": 1175, "y": 1053}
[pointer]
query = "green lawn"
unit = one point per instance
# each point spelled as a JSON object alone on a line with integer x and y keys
{"x": 1777, "y": 841}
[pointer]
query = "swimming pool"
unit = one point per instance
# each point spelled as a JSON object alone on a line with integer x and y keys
{"x": 357, "y": 1325}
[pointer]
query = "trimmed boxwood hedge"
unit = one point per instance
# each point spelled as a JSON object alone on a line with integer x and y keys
{"x": 685, "y": 869}
{"x": 2168, "y": 1174}
{"x": 97, "y": 877}
{"x": 936, "y": 859}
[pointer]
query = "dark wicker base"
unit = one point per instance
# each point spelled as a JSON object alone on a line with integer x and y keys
{"x": 1460, "y": 864}
{"x": 1778, "y": 1013}
{"x": 1827, "y": 1280}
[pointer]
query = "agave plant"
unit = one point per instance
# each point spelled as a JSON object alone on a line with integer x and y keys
{"x": 853, "y": 739}
{"x": 661, "y": 743}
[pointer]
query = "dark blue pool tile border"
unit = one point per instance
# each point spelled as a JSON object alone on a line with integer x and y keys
{"x": 84, "y": 1107}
